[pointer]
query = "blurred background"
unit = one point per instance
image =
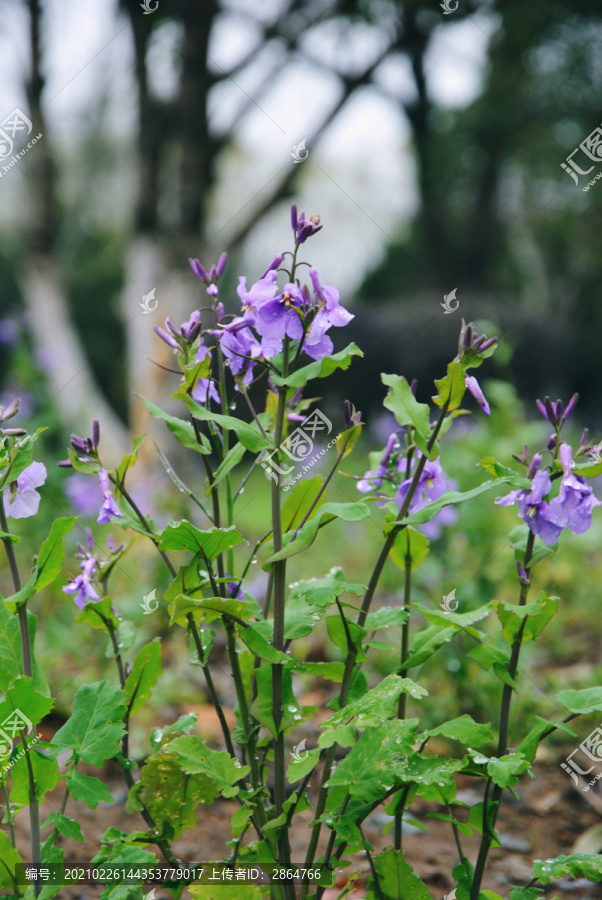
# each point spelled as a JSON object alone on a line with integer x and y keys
{"x": 431, "y": 143}
{"x": 430, "y": 140}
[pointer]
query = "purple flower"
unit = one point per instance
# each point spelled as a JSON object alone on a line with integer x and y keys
{"x": 475, "y": 389}
{"x": 176, "y": 336}
{"x": 109, "y": 507}
{"x": 81, "y": 586}
{"x": 575, "y": 498}
{"x": 432, "y": 484}
{"x": 205, "y": 387}
{"x": 209, "y": 278}
{"x": 544, "y": 519}
{"x": 263, "y": 290}
{"x": 370, "y": 481}
{"x": 24, "y": 502}
{"x": 241, "y": 348}
{"x": 302, "y": 227}
{"x": 83, "y": 494}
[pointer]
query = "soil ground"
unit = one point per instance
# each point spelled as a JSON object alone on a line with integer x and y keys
{"x": 546, "y": 821}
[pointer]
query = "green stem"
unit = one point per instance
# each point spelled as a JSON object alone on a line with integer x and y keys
{"x": 361, "y": 619}
{"x": 34, "y": 809}
{"x": 405, "y": 642}
{"x": 9, "y": 817}
{"x": 488, "y": 828}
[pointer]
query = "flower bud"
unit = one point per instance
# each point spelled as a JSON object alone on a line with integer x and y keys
{"x": 221, "y": 264}
{"x": 570, "y": 406}
{"x": 523, "y": 575}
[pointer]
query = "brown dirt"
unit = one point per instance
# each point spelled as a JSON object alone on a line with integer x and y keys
{"x": 547, "y": 819}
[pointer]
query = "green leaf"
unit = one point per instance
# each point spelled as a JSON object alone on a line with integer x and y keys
{"x": 92, "y": 612}
{"x": 304, "y": 763}
{"x": 401, "y": 402}
{"x": 87, "y": 788}
{"x": 230, "y": 461}
{"x": 347, "y": 440}
{"x": 262, "y": 708}
{"x": 529, "y": 744}
{"x": 129, "y": 461}
{"x": 182, "y": 430}
{"x": 418, "y": 548}
{"x": 25, "y": 594}
{"x": 11, "y": 665}
{"x": 321, "y": 368}
{"x": 262, "y": 649}
{"x": 505, "y": 770}
{"x": 524, "y": 893}
{"x": 185, "y": 536}
{"x": 395, "y": 878}
{"x": 247, "y": 433}
{"x": 461, "y": 621}
{"x": 475, "y": 820}
{"x": 588, "y": 470}
{"x": 450, "y": 497}
{"x": 121, "y": 855}
{"x": 583, "y": 701}
{"x": 375, "y": 707}
{"x": 518, "y": 539}
{"x": 299, "y": 501}
{"x": 22, "y": 696}
{"x": 143, "y": 677}
{"x": 69, "y": 828}
{"x": 9, "y": 859}
{"x": 577, "y": 865}
{"x": 385, "y": 617}
{"x": 487, "y": 655}
{"x": 451, "y": 389}
{"x": 45, "y": 774}
{"x": 22, "y": 457}
{"x": 216, "y": 766}
{"x": 338, "y": 635}
{"x": 349, "y": 512}
{"x": 52, "y": 551}
{"x": 465, "y": 730}
{"x": 498, "y": 470}
{"x": 211, "y": 607}
{"x": 537, "y": 614}
{"x": 425, "y": 644}
{"x": 11, "y": 538}
{"x": 95, "y": 727}
{"x": 174, "y": 784}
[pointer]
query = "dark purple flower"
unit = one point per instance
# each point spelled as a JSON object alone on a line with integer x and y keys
{"x": 475, "y": 389}
{"x": 575, "y": 498}
{"x": 544, "y": 519}
{"x": 109, "y": 507}
{"x": 273, "y": 266}
{"x": 21, "y": 499}
{"x": 302, "y": 227}
{"x": 81, "y": 585}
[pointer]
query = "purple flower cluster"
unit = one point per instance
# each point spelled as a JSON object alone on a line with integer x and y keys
{"x": 571, "y": 509}
{"x": 432, "y": 484}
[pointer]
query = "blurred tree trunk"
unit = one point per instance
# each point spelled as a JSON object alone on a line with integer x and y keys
{"x": 73, "y": 390}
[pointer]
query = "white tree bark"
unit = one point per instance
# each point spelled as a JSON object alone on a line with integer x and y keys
{"x": 70, "y": 381}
